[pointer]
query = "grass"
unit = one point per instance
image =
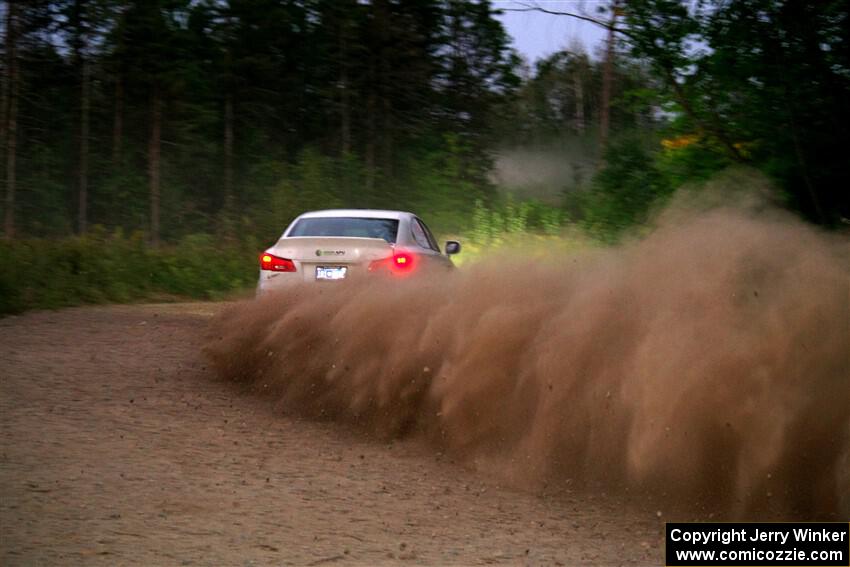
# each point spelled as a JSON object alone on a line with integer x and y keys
{"x": 113, "y": 268}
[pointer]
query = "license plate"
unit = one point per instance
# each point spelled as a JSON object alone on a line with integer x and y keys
{"x": 330, "y": 272}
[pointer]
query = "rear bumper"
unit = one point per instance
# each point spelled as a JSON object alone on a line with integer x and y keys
{"x": 277, "y": 281}
{"x": 274, "y": 281}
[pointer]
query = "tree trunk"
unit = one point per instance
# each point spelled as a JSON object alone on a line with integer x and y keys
{"x": 370, "y": 140}
{"x": 607, "y": 77}
{"x": 382, "y": 19}
{"x": 11, "y": 118}
{"x": 345, "y": 108}
{"x": 579, "y": 93}
{"x": 4, "y": 96}
{"x": 228, "y": 163}
{"x": 82, "y": 217}
{"x": 388, "y": 145}
{"x": 345, "y": 121}
{"x": 118, "y": 122}
{"x": 78, "y": 43}
{"x": 801, "y": 158}
{"x": 344, "y": 111}
{"x": 154, "y": 164}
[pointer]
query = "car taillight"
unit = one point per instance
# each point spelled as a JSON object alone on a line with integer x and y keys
{"x": 400, "y": 263}
{"x": 275, "y": 264}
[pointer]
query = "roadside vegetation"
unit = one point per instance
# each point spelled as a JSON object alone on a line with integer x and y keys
{"x": 113, "y": 268}
{"x": 150, "y": 149}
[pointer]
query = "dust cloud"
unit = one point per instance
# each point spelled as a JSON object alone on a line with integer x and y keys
{"x": 546, "y": 172}
{"x": 705, "y": 367}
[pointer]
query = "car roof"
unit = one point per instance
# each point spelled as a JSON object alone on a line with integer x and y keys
{"x": 357, "y": 213}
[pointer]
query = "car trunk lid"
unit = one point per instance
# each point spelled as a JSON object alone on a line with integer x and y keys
{"x": 337, "y": 250}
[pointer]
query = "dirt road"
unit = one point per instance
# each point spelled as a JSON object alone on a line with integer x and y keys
{"x": 118, "y": 447}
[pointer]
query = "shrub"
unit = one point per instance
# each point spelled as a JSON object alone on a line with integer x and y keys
{"x": 101, "y": 267}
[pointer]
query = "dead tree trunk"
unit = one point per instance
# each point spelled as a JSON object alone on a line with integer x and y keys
{"x": 154, "y": 163}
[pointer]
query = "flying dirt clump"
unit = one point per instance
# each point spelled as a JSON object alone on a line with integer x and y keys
{"x": 707, "y": 365}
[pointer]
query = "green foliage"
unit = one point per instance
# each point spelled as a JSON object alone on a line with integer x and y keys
{"x": 624, "y": 190}
{"x": 763, "y": 82}
{"x": 443, "y": 182}
{"x": 529, "y": 229}
{"x": 396, "y": 105}
{"x": 325, "y": 104}
{"x": 507, "y": 219}
{"x": 562, "y": 99}
{"x": 102, "y": 267}
{"x": 695, "y": 162}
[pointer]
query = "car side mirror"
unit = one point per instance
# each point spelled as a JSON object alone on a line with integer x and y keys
{"x": 452, "y": 247}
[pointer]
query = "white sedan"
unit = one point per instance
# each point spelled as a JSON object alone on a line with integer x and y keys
{"x": 333, "y": 245}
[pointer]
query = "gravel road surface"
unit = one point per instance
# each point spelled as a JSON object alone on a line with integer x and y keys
{"x": 119, "y": 447}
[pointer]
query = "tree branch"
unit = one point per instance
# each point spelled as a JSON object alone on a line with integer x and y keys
{"x": 583, "y": 17}
{"x": 711, "y": 126}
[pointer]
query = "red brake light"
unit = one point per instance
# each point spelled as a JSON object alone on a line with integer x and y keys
{"x": 403, "y": 261}
{"x": 397, "y": 264}
{"x": 275, "y": 264}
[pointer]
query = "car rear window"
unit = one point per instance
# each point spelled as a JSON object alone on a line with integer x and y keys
{"x": 347, "y": 226}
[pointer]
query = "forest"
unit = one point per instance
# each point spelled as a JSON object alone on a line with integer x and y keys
{"x": 151, "y": 147}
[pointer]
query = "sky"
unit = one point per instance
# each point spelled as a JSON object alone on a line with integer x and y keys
{"x": 536, "y": 35}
